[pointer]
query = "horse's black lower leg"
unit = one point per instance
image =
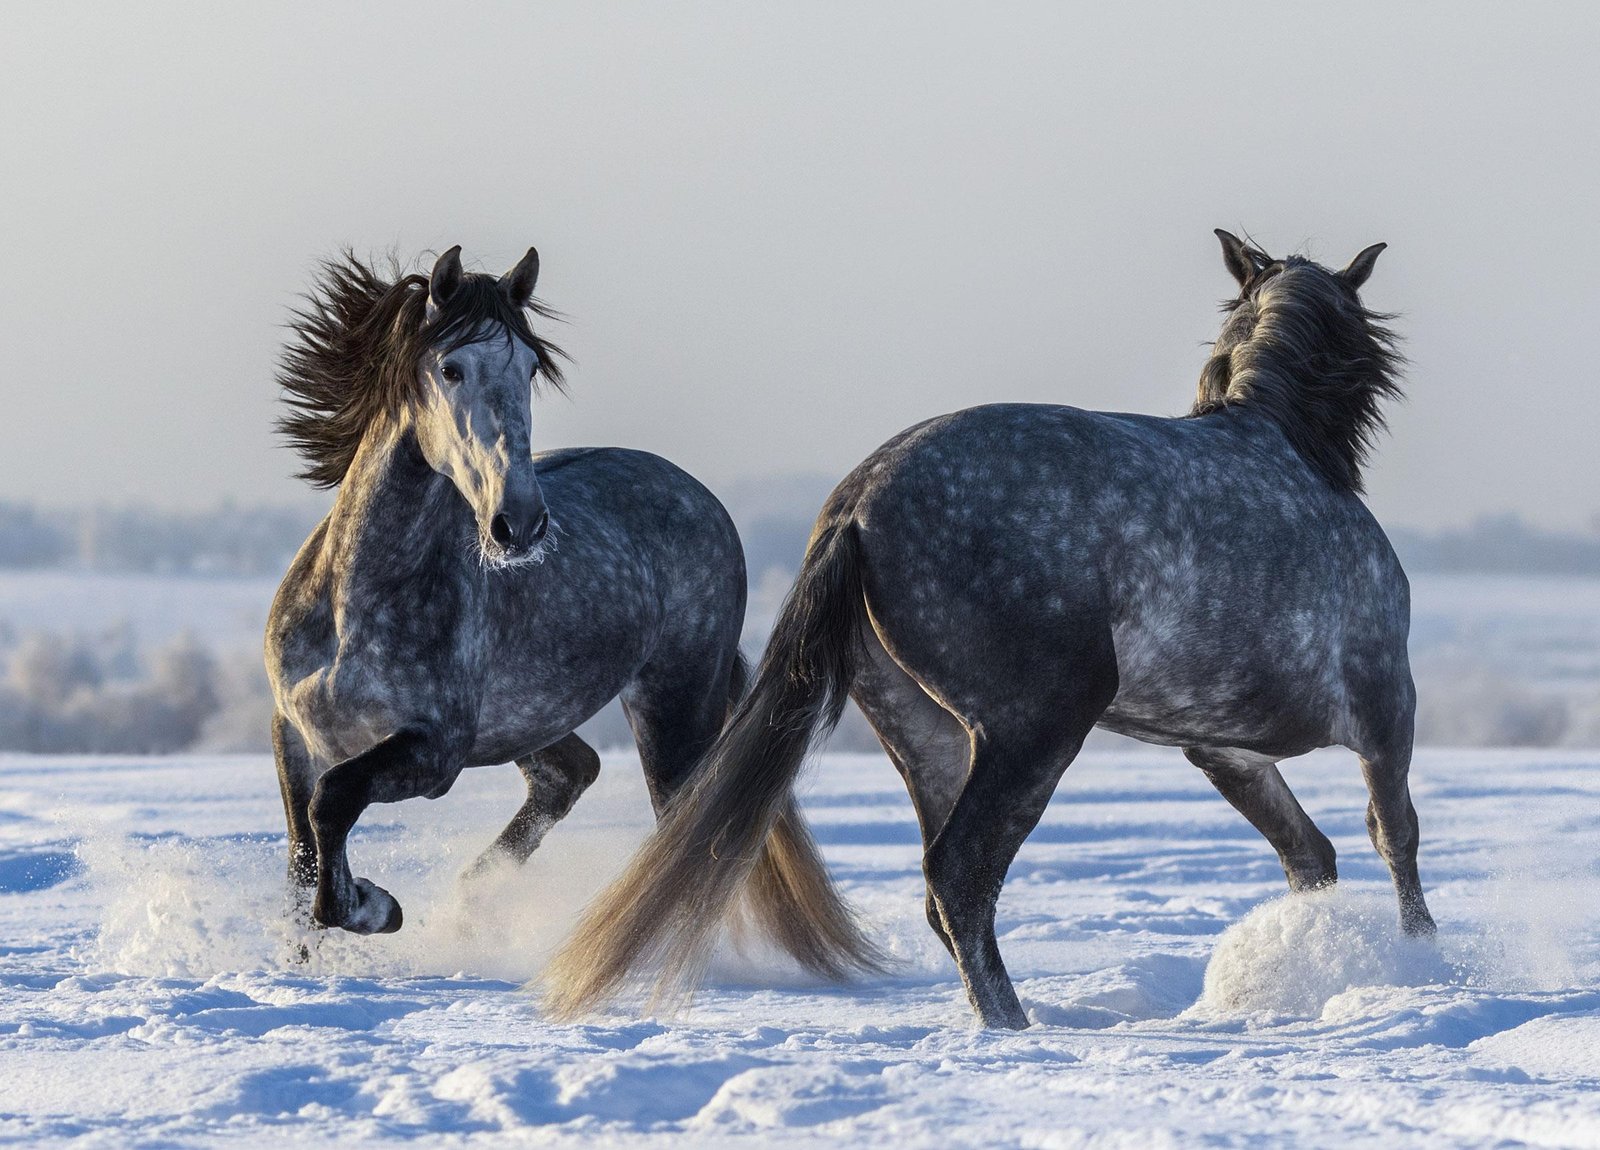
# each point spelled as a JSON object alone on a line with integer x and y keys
{"x": 1010, "y": 784}
{"x": 408, "y": 764}
{"x": 556, "y": 776}
{"x": 1255, "y": 788}
{"x": 1392, "y": 825}
{"x": 296, "y": 781}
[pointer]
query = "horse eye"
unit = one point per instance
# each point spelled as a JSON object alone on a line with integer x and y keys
{"x": 451, "y": 373}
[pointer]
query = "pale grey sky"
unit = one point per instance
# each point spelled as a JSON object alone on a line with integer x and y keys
{"x": 784, "y": 233}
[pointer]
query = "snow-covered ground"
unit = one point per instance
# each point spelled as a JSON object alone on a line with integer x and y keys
{"x": 148, "y": 994}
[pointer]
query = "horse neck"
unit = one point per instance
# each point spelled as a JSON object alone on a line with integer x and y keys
{"x": 394, "y": 514}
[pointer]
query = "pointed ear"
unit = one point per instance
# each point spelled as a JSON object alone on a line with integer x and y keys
{"x": 519, "y": 281}
{"x": 1361, "y": 267}
{"x": 1239, "y": 257}
{"x": 444, "y": 280}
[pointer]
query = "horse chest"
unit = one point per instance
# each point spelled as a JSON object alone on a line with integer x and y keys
{"x": 349, "y": 691}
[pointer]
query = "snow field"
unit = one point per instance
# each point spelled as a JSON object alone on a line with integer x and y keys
{"x": 149, "y": 992}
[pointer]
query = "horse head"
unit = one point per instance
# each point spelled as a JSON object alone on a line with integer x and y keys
{"x": 1299, "y": 345}
{"x": 473, "y": 411}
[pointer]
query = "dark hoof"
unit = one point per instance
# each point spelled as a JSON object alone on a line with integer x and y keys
{"x": 375, "y": 911}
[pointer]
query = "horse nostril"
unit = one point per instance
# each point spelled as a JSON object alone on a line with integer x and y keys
{"x": 540, "y": 526}
{"x": 500, "y": 530}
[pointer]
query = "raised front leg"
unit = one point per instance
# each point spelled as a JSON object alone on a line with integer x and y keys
{"x": 1255, "y": 788}
{"x": 408, "y": 764}
{"x": 556, "y": 776}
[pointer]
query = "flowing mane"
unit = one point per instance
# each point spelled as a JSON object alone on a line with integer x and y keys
{"x": 1299, "y": 346}
{"x": 353, "y": 349}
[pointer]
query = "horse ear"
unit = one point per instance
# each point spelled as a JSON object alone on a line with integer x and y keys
{"x": 519, "y": 281}
{"x": 1238, "y": 256}
{"x": 445, "y": 279}
{"x": 1361, "y": 267}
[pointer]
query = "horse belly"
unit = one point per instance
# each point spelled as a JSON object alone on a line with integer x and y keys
{"x": 1183, "y": 684}
{"x": 520, "y": 714}
{"x": 544, "y": 682}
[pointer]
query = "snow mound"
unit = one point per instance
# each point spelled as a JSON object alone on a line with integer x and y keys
{"x": 1554, "y": 1048}
{"x": 1292, "y": 955}
{"x": 1153, "y": 986}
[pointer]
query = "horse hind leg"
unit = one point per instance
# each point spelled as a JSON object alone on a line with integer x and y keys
{"x": 926, "y": 743}
{"x": 675, "y": 707}
{"x": 297, "y": 780}
{"x": 1019, "y": 754}
{"x": 556, "y": 777}
{"x": 1254, "y": 787}
{"x": 1012, "y": 778}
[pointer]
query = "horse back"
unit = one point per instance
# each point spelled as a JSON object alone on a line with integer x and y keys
{"x": 1247, "y": 601}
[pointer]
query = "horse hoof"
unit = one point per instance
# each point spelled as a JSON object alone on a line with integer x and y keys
{"x": 376, "y": 911}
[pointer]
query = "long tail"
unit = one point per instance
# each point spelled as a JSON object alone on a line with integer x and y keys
{"x": 735, "y": 826}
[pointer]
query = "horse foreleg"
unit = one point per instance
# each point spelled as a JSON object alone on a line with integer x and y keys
{"x": 556, "y": 776}
{"x": 1392, "y": 825}
{"x": 1255, "y": 788}
{"x": 407, "y": 764}
{"x": 296, "y": 780}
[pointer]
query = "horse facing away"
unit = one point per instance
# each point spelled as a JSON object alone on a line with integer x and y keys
{"x": 431, "y": 622}
{"x": 990, "y": 585}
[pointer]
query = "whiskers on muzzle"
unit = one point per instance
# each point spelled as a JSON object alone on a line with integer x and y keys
{"x": 493, "y": 557}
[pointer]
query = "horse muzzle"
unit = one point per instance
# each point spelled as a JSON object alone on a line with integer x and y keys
{"x": 516, "y": 532}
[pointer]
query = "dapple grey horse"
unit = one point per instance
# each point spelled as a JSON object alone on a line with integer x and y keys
{"x": 990, "y": 585}
{"x": 467, "y": 602}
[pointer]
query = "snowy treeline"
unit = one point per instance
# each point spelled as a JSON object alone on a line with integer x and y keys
{"x": 1499, "y": 661}
{"x": 228, "y": 540}
{"x": 74, "y": 694}
{"x": 1474, "y": 706}
{"x": 1504, "y": 544}
{"x": 774, "y": 517}
{"x": 108, "y": 693}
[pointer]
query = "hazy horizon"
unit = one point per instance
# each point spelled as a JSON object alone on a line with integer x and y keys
{"x": 781, "y": 235}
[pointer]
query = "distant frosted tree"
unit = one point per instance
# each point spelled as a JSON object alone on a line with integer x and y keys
{"x": 48, "y": 669}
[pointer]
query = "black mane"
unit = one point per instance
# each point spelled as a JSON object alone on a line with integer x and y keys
{"x": 353, "y": 350}
{"x": 1299, "y": 346}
